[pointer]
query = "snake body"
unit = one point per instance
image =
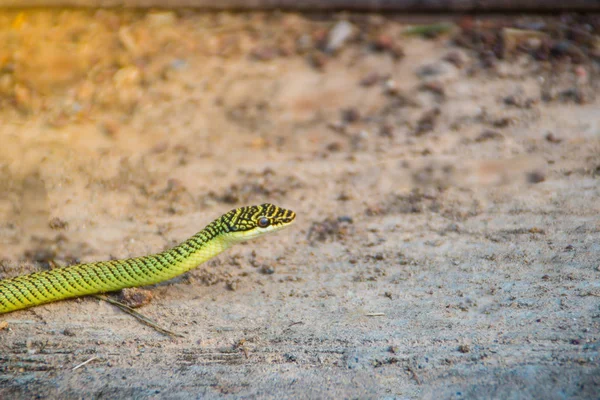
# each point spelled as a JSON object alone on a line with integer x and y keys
{"x": 237, "y": 225}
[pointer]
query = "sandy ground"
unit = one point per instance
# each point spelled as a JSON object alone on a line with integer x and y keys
{"x": 447, "y": 243}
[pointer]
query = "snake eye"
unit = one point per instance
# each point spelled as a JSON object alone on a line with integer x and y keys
{"x": 263, "y": 222}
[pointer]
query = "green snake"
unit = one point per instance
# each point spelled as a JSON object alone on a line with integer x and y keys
{"x": 236, "y": 226}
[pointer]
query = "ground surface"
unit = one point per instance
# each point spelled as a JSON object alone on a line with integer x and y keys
{"x": 448, "y": 234}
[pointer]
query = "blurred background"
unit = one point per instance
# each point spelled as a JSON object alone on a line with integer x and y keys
{"x": 442, "y": 157}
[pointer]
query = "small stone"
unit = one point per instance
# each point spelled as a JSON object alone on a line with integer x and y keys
{"x": 338, "y": 35}
{"x": 550, "y": 137}
{"x": 511, "y": 101}
{"x": 370, "y": 79}
{"x": 267, "y": 269}
{"x": 464, "y": 348}
{"x": 350, "y": 115}
{"x": 427, "y": 121}
{"x": 535, "y": 177}
{"x": 359, "y": 140}
{"x": 386, "y": 43}
{"x": 456, "y": 58}
{"x": 434, "y": 87}
{"x": 346, "y": 219}
{"x": 386, "y": 130}
{"x": 127, "y": 77}
{"x": 57, "y": 224}
{"x": 318, "y": 60}
{"x": 391, "y": 87}
{"x": 110, "y": 127}
{"x": 488, "y": 135}
{"x": 344, "y": 197}
{"x": 232, "y": 285}
{"x": 334, "y": 147}
{"x": 383, "y": 42}
{"x": 379, "y": 256}
{"x": 135, "y": 297}
{"x": 429, "y": 70}
{"x": 452, "y": 227}
{"x": 501, "y": 122}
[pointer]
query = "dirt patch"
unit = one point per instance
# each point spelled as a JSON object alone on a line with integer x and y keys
{"x": 447, "y": 243}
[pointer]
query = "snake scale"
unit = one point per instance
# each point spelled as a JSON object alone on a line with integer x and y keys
{"x": 236, "y": 226}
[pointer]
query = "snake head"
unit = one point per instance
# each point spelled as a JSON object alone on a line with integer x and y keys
{"x": 246, "y": 223}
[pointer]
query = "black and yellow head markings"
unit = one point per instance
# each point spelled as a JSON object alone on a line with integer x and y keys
{"x": 248, "y": 222}
{"x": 257, "y": 217}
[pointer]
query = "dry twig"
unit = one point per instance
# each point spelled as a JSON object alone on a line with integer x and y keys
{"x": 140, "y": 317}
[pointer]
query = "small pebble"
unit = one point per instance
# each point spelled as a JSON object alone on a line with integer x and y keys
{"x": 488, "y": 135}
{"x": 135, "y": 297}
{"x": 344, "y": 197}
{"x": 338, "y": 35}
{"x": 232, "y": 285}
{"x": 345, "y": 218}
{"x": 429, "y": 70}
{"x": 456, "y": 58}
{"x": 334, "y": 147}
{"x": 391, "y": 87}
{"x": 383, "y": 42}
{"x": 464, "y": 348}
{"x": 550, "y": 137}
{"x": 267, "y": 270}
{"x": 370, "y": 79}
{"x": 318, "y": 60}
{"x": 379, "y": 256}
{"x": 386, "y": 130}
{"x": 535, "y": 177}
{"x": 350, "y": 115}
{"x": 57, "y": 224}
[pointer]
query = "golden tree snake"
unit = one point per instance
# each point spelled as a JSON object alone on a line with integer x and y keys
{"x": 236, "y": 226}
